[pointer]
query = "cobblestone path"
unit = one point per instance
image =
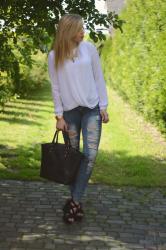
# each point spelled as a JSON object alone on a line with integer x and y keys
{"x": 115, "y": 218}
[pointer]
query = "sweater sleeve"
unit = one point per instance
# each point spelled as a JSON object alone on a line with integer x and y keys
{"x": 99, "y": 78}
{"x": 58, "y": 107}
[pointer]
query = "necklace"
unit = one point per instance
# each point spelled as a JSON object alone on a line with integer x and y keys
{"x": 75, "y": 53}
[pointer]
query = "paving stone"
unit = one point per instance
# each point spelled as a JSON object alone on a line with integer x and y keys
{"x": 115, "y": 218}
{"x": 16, "y": 248}
{"x": 50, "y": 246}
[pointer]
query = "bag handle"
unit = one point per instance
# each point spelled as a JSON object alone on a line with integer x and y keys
{"x": 68, "y": 143}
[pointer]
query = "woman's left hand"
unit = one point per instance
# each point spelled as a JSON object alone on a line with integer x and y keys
{"x": 104, "y": 116}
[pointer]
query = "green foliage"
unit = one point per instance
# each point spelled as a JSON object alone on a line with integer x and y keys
{"x": 136, "y": 59}
{"x": 27, "y": 26}
{"x": 32, "y": 79}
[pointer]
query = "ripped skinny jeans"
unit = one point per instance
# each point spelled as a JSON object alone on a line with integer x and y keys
{"x": 90, "y": 122}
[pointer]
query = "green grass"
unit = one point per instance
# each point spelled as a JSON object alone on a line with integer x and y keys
{"x": 131, "y": 151}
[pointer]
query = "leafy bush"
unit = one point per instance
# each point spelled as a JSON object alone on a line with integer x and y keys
{"x": 23, "y": 79}
{"x": 35, "y": 77}
{"x": 135, "y": 60}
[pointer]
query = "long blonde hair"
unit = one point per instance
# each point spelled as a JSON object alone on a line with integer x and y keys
{"x": 66, "y": 30}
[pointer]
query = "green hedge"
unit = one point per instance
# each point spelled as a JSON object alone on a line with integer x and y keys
{"x": 24, "y": 79}
{"x": 135, "y": 61}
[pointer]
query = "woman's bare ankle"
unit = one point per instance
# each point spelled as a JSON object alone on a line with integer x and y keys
{"x": 76, "y": 202}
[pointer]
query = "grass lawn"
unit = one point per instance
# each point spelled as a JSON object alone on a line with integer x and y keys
{"x": 131, "y": 151}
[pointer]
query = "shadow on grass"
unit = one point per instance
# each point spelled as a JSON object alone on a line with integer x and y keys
{"x": 17, "y": 113}
{"x": 28, "y": 111}
{"x": 35, "y": 103}
{"x": 20, "y": 121}
{"x": 112, "y": 168}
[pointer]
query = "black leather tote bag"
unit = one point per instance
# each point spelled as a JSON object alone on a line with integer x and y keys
{"x": 60, "y": 162}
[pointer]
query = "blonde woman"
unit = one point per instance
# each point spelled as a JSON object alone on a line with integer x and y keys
{"x": 80, "y": 100}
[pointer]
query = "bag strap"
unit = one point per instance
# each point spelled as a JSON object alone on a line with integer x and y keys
{"x": 68, "y": 143}
{"x": 55, "y": 136}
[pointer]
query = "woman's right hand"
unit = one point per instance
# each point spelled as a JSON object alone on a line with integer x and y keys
{"x": 62, "y": 125}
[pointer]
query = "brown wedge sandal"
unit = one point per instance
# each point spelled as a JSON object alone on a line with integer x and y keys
{"x": 72, "y": 211}
{"x": 80, "y": 213}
